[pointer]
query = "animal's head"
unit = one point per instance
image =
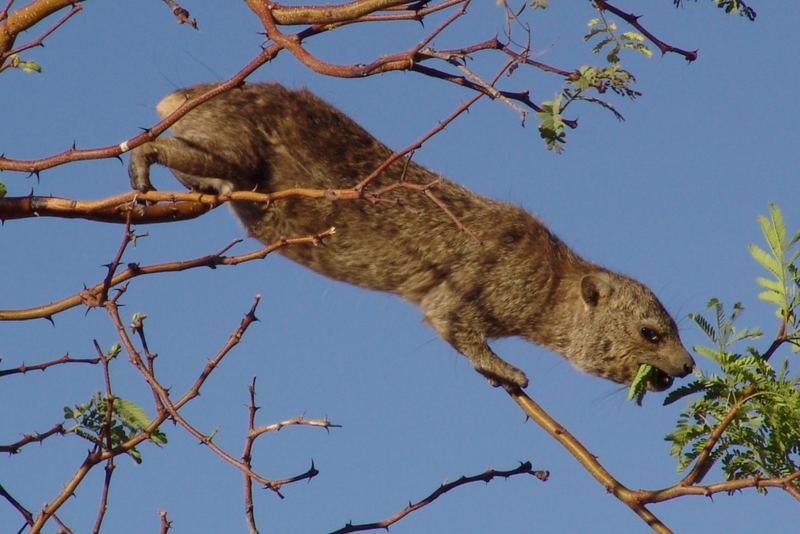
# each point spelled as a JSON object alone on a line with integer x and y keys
{"x": 622, "y": 325}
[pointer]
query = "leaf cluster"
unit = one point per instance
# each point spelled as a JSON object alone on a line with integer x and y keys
{"x": 731, "y": 7}
{"x": 747, "y": 414}
{"x": 94, "y": 423}
{"x": 551, "y": 124}
{"x": 610, "y": 39}
{"x": 611, "y": 76}
{"x": 783, "y": 289}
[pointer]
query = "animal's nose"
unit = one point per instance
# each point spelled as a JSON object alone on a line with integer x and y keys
{"x": 682, "y": 364}
{"x": 688, "y": 366}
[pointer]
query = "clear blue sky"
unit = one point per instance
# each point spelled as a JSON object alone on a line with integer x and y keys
{"x": 669, "y": 196}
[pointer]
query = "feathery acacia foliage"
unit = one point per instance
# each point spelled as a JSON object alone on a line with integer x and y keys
{"x": 747, "y": 414}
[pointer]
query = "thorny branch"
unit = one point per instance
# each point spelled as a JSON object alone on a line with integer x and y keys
{"x": 253, "y": 432}
{"x": 39, "y": 41}
{"x": 42, "y": 366}
{"x": 17, "y": 505}
{"x": 247, "y": 456}
{"x": 633, "y": 20}
{"x": 524, "y": 468}
{"x": 27, "y": 439}
{"x": 133, "y": 270}
{"x": 73, "y": 154}
{"x": 165, "y": 409}
{"x": 172, "y": 408}
{"x": 106, "y": 431}
{"x": 637, "y": 499}
{"x": 16, "y": 22}
{"x": 272, "y": 15}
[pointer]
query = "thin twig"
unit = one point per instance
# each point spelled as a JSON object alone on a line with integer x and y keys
{"x": 14, "y": 448}
{"x": 105, "y": 433}
{"x": 524, "y": 468}
{"x": 787, "y": 483}
{"x": 4, "y": 11}
{"x": 14, "y": 502}
{"x": 39, "y": 41}
{"x": 181, "y": 15}
{"x": 704, "y": 460}
{"x": 165, "y": 523}
{"x": 441, "y": 125}
{"x": 172, "y": 408}
{"x": 74, "y": 154}
{"x": 246, "y": 460}
{"x": 295, "y": 421}
{"x": 633, "y": 20}
{"x": 12, "y": 24}
{"x": 42, "y": 366}
{"x": 135, "y": 270}
{"x": 780, "y": 339}
{"x": 97, "y": 298}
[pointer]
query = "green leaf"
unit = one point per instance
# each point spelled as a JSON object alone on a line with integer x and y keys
{"x": 795, "y": 238}
{"x": 3, "y": 190}
{"x": 639, "y": 384}
{"x": 773, "y": 297}
{"x": 131, "y": 413}
{"x": 770, "y": 284}
{"x": 683, "y": 391}
{"x": 766, "y": 261}
{"x": 704, "y": 325}
{"x": 551, "y": 128}
{"x": 778, "y": 225}
{"x": 706, "y": 352}
{"x": 771, "y": 236}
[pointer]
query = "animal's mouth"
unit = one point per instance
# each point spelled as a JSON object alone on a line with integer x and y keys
{"x": 659, "y": 380}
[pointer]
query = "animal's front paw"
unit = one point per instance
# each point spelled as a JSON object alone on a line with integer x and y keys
{"x": 505, "y": 375}
{"x": 139, "y": 168}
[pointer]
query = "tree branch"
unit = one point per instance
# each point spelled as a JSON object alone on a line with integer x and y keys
{"x": 328, "y": 14}
{"x": 24, "y": 18}
{"x": 633, "y": 20}
{"x": 704, "y": 462}
{"x": 16, "y": 504}
{"x": 181, "y": 15}
{"x": 32, "y": 438}
{"x": 134, "y": 270}
{"x": 39, "y": 41}
{"x": 74, "y": 154}
{"x": 42, "y": 366}
{"x": 524, "y": 468}
{"x": 586, "y": 459}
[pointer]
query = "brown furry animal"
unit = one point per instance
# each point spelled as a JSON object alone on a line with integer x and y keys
{"x": 511, "y": 277}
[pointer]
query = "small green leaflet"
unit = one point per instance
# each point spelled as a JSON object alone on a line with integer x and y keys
{"x": 639, "y": 385}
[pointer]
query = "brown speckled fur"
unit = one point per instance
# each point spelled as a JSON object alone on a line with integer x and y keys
{"x": 515, "y": 279}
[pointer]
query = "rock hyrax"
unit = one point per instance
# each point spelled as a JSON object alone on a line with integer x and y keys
{"x": 507, "y": 276}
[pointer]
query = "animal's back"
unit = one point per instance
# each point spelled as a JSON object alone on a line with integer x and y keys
{"x": 403, "y": 241}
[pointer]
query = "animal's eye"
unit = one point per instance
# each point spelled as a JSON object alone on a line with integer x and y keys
{"x": 649, "y": 334}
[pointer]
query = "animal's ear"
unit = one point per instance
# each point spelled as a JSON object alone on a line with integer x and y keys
{"x": 594, "y": 288}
